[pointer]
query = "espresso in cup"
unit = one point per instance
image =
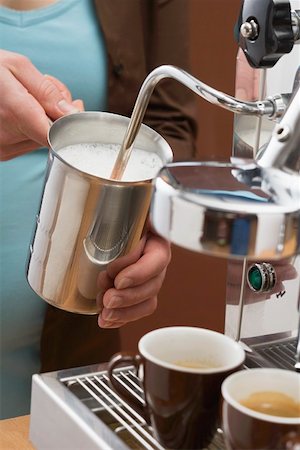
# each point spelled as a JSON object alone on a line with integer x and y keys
{"x": 182, "y": 372}
{"x": 261, "y": 410}
{"x": 273, "y": 403}
{"x": 195, "y": 364}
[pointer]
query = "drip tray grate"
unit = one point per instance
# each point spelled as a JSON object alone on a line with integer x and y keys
{"x": 94, "y": 391}
{"x": 279, "y": 353}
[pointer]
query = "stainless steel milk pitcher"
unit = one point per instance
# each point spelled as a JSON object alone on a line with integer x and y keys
{"x": 84, "y": 221}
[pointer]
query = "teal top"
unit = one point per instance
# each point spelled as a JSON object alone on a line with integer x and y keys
{"x": 63, "y": 40}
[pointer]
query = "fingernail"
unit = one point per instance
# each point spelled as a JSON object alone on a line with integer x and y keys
{"x": 114, "y": 302}
{"x": 123, "y": 283}
{"x": 107, "y": 315}
{"x": 66, "y": 107}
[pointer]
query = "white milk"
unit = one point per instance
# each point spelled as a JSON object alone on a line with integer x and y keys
{"x": 98, "y": 159}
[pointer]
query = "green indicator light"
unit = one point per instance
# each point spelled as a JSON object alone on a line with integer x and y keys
{"x": 261, "y": 277}
{"x": 255, "y": 278}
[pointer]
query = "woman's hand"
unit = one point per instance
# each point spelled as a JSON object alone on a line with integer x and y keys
{"x": 28, "y": 100}
{"x": 129, "y": 286}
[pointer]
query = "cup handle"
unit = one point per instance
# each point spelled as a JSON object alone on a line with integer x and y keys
{"x": 136, "y": 361}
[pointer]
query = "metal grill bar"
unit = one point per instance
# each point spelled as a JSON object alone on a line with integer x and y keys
{"x": 125, "y": 384}
{"x": 126, "y": 416}
{"x": 278, "y": 354}
{"x": 131, "y": 381}
{"x": 126, "y": 422}
{"x": 120, "y": 400}
{"x": 121, "y": 416}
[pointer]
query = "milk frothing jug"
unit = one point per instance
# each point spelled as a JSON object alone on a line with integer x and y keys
{"x": 84, "y": 221}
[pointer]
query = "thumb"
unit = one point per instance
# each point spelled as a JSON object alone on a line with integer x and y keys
{"x": 52, "y": 99}
{"x": 43, "y": 89}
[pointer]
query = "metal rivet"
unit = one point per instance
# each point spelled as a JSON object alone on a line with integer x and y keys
{"x": 282, "y": 132}
{"x": 249, "y": 30}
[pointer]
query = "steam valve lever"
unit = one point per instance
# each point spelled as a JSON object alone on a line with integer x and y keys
{"x": 266, "y": 31}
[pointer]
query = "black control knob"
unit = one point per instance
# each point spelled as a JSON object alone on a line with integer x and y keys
{"x": 265, "y": 31}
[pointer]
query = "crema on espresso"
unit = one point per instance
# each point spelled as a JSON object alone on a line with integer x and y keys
{"x": 272, "y": 403}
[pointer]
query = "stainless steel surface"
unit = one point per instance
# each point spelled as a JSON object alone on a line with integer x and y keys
{"x": 271, "y": 144}
{"x": 125, "y": 422}
{"x": 96, "y": 417}
{"x": 283, "y": 150}
{"x": 230, "y": 210}
{"x": 84, "y": 221}
{"x": 77, "y": 408}
{"x": 261, "y": 95}
{"x": 263, "y": 317}
{"x": 282, "y": 78}
{"x": 86, "y": 413}
{"x": 280, "y": 353}
{"x": 265, "y": 107}
{"x": 226, "y": 207}
{"x": 241, "y": 301}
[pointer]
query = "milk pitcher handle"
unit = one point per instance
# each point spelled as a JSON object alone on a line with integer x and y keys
{"x": 137, "y": 361}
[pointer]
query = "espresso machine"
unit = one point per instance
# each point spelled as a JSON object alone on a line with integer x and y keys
{"x": 246, "y": 210}
{"x": 268, "y": 327}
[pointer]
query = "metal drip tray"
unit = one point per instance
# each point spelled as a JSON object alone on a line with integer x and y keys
{"x": 77, "y": 408}
{"x": 95, "y": 392}
{"x": 279, "y": 353}
{"x": 86, "y": 412}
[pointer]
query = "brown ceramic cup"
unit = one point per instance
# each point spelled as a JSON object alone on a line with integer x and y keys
{"x": 182, "y": 369}
{"x": 245, "y": 428}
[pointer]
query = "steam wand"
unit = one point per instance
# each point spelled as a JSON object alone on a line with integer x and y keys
{"x": 271, "y": 107}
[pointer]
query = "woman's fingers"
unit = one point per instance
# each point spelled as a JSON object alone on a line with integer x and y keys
{"x": 114, "y": 268}
{"x": 131, "y": 293}
{"x": 61, "y": 87}
{"x": 123, "y": 298}
{"x": 42, "y": 88}
{"x": 109, "y": 318}
{"x": 155, "y": 258}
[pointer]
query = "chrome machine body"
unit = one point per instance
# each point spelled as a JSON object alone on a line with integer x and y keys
{"x": 270, "y": 39}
